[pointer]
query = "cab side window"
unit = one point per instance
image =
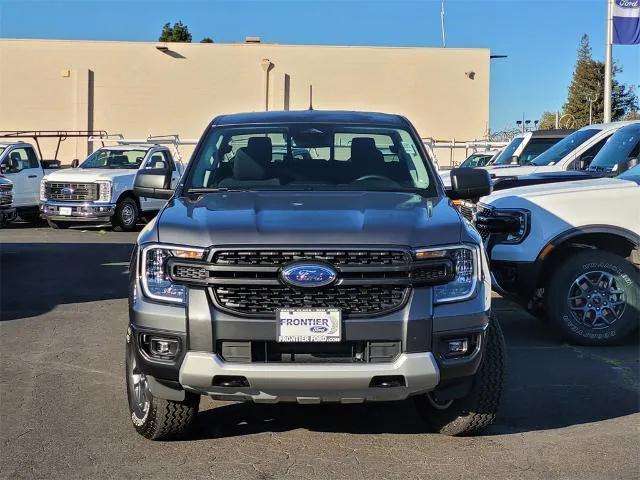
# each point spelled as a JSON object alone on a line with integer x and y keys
{"x": 159, "y": 160}
{"x": 586, "y": 157}
{"x": 20, "y": 159}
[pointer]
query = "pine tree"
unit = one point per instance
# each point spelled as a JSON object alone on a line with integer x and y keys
{"x": 179, "y": 32}
{"x": 588, "y": 82}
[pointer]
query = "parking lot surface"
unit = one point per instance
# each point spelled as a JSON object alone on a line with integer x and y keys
{"x": 568, "y": 412}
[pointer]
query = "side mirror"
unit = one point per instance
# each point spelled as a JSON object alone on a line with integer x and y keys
{"x": 74, "y": 163}
{"x": 469, "y": 183}
{"x": 153, "y": 183}
{"x": 50, "y": 163}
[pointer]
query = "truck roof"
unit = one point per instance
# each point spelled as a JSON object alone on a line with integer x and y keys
{"x": 552, "y": 133}
{"x": 131, "y": 146}
{"x": 312, "y": 116}
{"x": 9, "y": 144}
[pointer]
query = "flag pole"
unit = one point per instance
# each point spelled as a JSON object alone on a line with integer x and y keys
{"x": 608, "y": 69}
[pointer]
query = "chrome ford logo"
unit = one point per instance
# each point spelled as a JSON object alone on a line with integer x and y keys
{"x": 68, "y": 190}
{"x": 319, "y": 328}
{"x": 308, "y": 275}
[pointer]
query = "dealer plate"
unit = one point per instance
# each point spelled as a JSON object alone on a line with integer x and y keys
{"x": 309, "y": 325}
{"x": 64, "y": 211}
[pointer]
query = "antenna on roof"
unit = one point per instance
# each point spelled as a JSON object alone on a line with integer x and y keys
{"x": 310, "y": 97}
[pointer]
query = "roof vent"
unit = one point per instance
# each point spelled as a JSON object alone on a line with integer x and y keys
{"x": 252, "y": 40}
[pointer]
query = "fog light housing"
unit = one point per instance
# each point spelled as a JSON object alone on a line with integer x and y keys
{"x": 160, "y": 348}
{"x": 457, "y": 346}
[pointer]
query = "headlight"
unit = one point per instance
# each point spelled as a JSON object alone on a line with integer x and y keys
{"x": 507, "y": 225}
{"x": 43, "y": 195}
{"x": 155, "y": 281}
{"x": 104, "y": 191}
{"x": 467, "y": 265}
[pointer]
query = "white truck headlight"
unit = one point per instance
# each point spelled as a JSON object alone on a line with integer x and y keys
{"x": 506, "y": 225}
{"x": 466, "y": 259}
{"x": 104, "y": 191}
{"x": 155, "y": 281}
{"x": 43, "y": 190}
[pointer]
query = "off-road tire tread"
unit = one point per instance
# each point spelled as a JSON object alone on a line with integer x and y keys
{"x": 169, "y": 419}
{"x": 557, "y": 289}
{"x": 472, "y": 414}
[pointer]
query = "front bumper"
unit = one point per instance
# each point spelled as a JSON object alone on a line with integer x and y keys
{"x": 516, "y": 280}
{"x": 7, "y": 215}
{"x": 310, "y": 383}
{"x": 79, "y": 211}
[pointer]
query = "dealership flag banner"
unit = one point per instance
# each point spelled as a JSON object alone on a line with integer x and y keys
{"x": 626, "y": 22}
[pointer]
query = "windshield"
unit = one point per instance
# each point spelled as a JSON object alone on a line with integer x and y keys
{"x": 475, "y": 160}
{"x": 622, "y": 146}
{"x": 505, "y": 157}
{"x": 115, "y": 159}
{"x": 564, "y": 147}
{"x": 310, "y": 157}
{"x": 631, "y": 174}
{"x": 535, "y": 147}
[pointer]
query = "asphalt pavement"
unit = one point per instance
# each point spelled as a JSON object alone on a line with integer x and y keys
{"x": 567, "y": 412}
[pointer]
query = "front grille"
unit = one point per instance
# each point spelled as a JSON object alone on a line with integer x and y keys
{"x": 335, "y": 257}
{"x": 248, "y": 282}
{"x": 6, "y": 194}
{"x": 71, "y": 191}
{"x": 466, "y": 208}
{"x": 265, "y": 300}
{"x": 485, "y": 212}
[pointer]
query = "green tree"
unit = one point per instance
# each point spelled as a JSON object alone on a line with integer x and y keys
{"x": 179, "y": 32}
{"x": 547, "y": 121}
{"x": 206, "y": 40}
{"x": 588, "y": 83}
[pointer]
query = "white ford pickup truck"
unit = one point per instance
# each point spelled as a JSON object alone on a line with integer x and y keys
{"x": 20, "y": 163}
{"x": 569, "y": 252}
{"x": 101, "y": 188}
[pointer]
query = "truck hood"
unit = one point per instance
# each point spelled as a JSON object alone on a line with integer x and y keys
{"x": 88, "y": 174}
{"x": 504, "y": 198}
{"x": 309, "y": 218}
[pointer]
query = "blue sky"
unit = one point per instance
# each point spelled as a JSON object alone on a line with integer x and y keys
{"x": 540, "y": 37}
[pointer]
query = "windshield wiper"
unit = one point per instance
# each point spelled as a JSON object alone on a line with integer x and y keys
{"x": 217, "y": 190}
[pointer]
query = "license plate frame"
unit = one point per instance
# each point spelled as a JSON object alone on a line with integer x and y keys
{"x": 308, "y": 318}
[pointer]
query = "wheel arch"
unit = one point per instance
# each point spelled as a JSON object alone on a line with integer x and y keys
{"x": 617, "y": 240}
{"x": 129, "y": 194}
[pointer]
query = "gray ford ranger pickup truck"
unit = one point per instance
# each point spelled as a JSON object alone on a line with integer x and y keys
{"x": 311, "y": 257}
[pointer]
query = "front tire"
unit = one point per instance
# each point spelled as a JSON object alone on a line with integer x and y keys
{"x": 155, "y": 418}
{"x": 57, "y": 225}
{"x": 126, "y": 215}
{"x": 594, "y": 297}
{"x": 472, "y": 414}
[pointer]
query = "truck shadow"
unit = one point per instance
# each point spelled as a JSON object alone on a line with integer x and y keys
{"x": 37, "y": 277}
{"x": 549, "y": 385}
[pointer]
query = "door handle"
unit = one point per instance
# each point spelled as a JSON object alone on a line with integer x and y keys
{"x": 32, "y": 176}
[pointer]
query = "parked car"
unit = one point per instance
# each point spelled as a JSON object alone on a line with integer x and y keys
{"x": 20, "y": 163}
{"x": 477, "y": 159}
{"x": 101, "y": 188}
{"x": 619, "y": 153}
{"x": 522, "y": 149}
{"x": 336, "y": 276}
{"x": 525, "y": 147}
{"x": 7, "y": 210}
{"x": 569, "y": 252}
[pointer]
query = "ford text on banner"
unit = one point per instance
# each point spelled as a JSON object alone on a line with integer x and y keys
{"x": 626, "y": 22}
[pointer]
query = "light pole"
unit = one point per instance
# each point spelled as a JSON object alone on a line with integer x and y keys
{"x": 592, "y": 98}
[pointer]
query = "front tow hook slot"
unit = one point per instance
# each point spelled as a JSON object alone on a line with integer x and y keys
{"x": 388, "y": 381}
{"x": 230, "y": 381}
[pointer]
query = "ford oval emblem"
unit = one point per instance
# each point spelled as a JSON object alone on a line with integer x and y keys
{"x": 308, "y": 275}
{"x": 68, "y": 190}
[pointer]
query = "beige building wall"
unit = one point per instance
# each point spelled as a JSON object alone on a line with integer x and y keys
{"x": 136, "y": 89}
